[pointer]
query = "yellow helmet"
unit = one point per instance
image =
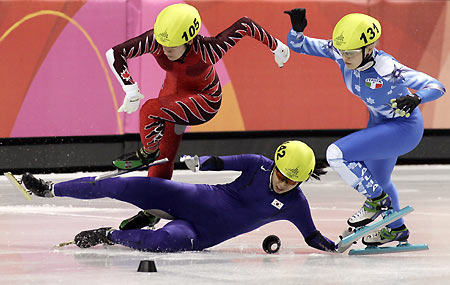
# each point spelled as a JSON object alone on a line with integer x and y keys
{"x": 176, "y": 25}
{"x": 295, "y": 160}
{"x": 355, "y": 31}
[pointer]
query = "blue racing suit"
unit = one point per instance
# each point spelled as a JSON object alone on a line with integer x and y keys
{"x": 365, "y": 159}
{"x": 205, "y": 215}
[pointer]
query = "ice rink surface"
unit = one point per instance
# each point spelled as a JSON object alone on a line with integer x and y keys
{"x": 31, "y": 229}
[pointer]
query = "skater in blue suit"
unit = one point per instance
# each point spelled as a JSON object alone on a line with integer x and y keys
{"x": 365, "y": 159}
{"x": 205, "y": 215}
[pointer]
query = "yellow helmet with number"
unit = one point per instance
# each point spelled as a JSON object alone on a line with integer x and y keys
{"x": 295, "y": 160}
{"x": 355, "y": 31}
{"x": 176, "y": 25}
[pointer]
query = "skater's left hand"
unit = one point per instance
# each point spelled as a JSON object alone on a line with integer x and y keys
{"x": 298, "y": 19}
{"x": 191, "y": 162}
{"x": 405, "y": 105}
{"x": 281, "y": 53}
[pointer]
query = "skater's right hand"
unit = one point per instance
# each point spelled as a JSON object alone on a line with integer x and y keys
{"x": 191, "y": 162}
{"x": 298, "y": 19}
{"x": 132, "y": 99}
{"x": 281, "y": 53}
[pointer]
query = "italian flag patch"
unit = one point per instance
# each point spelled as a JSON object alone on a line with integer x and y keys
{"x": 374, "y": 83}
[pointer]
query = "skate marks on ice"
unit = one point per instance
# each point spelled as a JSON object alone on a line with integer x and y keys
{"x": 31, "y": 229}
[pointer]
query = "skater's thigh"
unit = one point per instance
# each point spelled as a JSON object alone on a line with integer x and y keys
{"x": 383, "y": 141}
{"x": 175, "y": 236}
{"x": 183, "y": 235}
{"x": 155, "y": 193}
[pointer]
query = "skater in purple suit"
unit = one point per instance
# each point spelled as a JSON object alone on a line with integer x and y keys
{"x": 205, "y": 215}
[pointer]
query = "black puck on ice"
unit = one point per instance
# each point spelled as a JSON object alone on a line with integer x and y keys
{"x": 271, "y": 244}
{"x": 147, "y": 266}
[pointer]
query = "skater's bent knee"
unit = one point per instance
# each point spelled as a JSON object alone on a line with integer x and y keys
{"x": 333, "y": 153}
{"x": 179, "y": 129}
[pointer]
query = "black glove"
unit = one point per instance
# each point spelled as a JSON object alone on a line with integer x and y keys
{"x": 404, "y": 105}
{"x": 90, "y": 238}
{"x": 298, "y": 19}
{"x": 317, "y": 240}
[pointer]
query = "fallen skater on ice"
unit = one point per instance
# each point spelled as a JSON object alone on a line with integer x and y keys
{"x": 205, "y": 215}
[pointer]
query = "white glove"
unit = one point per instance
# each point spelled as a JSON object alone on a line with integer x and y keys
{"x": 132, "y": 99}
{"x": 191, "y": 162}
{"x": 282, "y": 53}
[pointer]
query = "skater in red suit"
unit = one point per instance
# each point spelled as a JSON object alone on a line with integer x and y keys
{"x": 191, "y": 92}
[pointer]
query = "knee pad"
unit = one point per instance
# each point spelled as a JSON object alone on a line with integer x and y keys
{"x": 334, "y": 155}
{"x": 179, "y": 129}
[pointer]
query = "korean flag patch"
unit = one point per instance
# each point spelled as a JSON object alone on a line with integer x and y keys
{"x": 277, "y": 204}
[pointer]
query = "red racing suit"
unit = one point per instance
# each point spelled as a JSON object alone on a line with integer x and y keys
{"x": 191, "y": 92}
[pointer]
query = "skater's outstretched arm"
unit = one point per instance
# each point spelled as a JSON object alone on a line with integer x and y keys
{"x": 301, "y": 217}
{"x": 300, "y": 43}
{"x": 118, "y": 55}
{"x": 117, "y": 59}
{"x": 214, "y": 48}
{"x": 218, "y": 163}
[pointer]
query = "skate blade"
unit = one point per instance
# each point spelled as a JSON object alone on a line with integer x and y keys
{"x": 65, "y": 243}
{"x": 127, "y": 164}
{"x": 17, "y": 185}
{"x": 118, "y": 172}
{"x": 401, "y": 247}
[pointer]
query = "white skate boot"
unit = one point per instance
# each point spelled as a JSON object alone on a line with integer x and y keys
{"x": 386, "y": 235}
{"x": 371, "y": 209}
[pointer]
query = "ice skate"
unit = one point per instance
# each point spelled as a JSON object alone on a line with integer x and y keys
{"x": 90, "y": 238}
{"x": 351, "y": 235}
{"x": 38, "y": 186}
{"x": 371, "y": 209}
{"x": 142, "y": 219}
{"x": 135, "y": 159}
{"x": 386, "y": 235}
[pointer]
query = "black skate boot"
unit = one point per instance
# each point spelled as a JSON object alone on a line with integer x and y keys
{"x": 38, "y": 186}
{"x": 142, "y": 219}
{"x": 135, "y": 159}
{"x": 90, "y": 238}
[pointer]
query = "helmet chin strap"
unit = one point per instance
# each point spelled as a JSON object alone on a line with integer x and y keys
{"x": 183, "y": 56}
{"x": 367, "y": 61}
{"x": 271, "y": 184}
{"x": 270, "y": 180}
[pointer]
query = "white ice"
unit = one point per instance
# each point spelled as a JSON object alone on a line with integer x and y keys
{"x": 31, "y": 229}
